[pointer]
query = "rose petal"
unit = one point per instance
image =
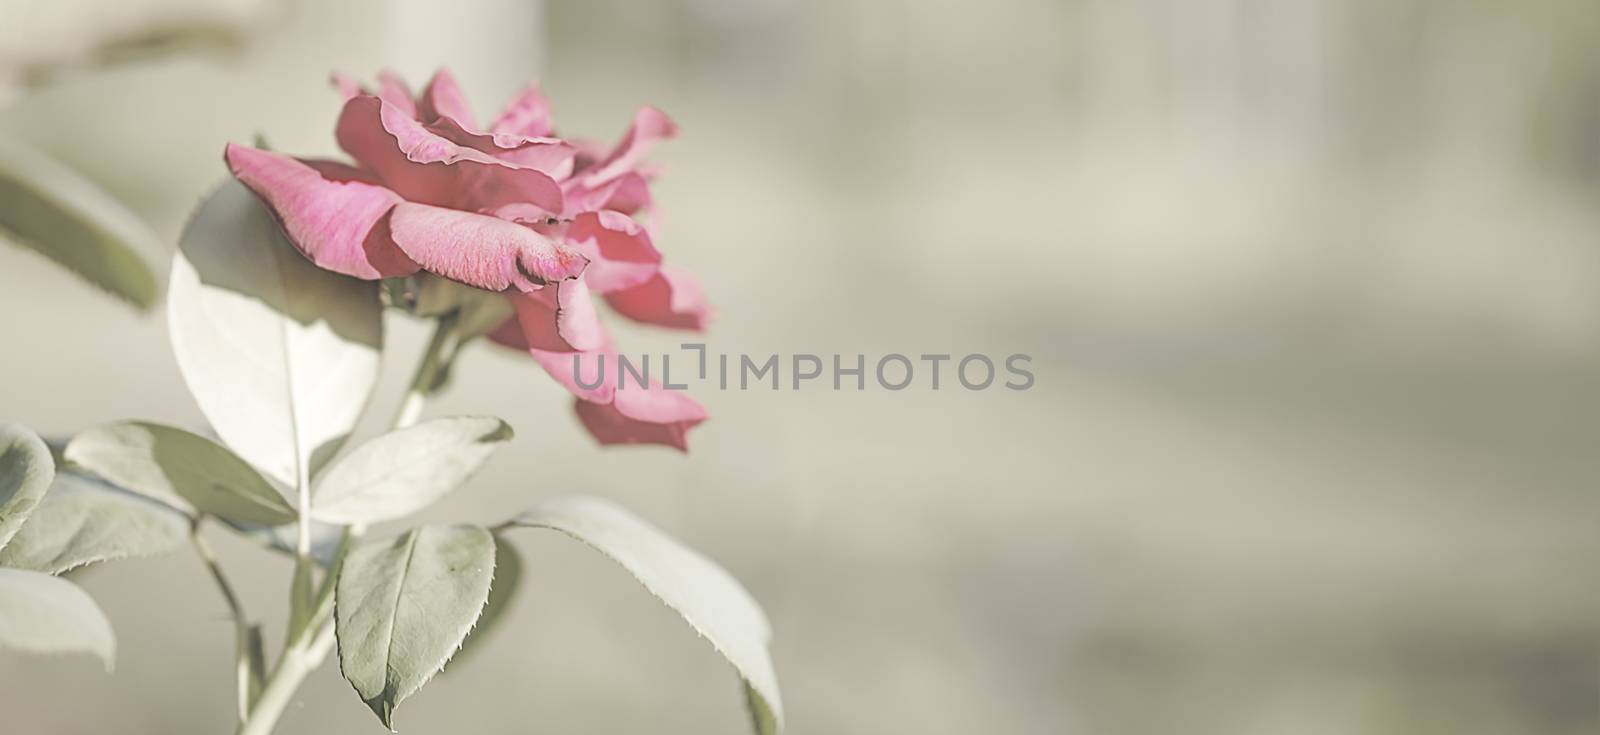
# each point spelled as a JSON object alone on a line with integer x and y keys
{"x": 594, "y": 369}
{"x": 443, "y": 98}
{"x": 560, "y": 318}
{"x": 656, "y": 404}
{"x": 565, "y": 367}
{"x": 391, "y": 89}
{"x": 628, "y": 194}
{"x": 550, "y": 155}
{"x": 636, "y": 415}
{"x": 509, "y": 335}
{"x": 614, "y": 413}
{"x": 394, "y": 90}
{"x": 326, "y": 209}
{"x": 620, "y": 253}
{"x": 650, "y": 126}
{"x": 590, "y": 151}
{"x": 424, "y": 167}
{"x": 480, "y": 250}
{"x": 527, "y": 115}
{"x": 347, "y": 86}
{"x": 671, "y": 298}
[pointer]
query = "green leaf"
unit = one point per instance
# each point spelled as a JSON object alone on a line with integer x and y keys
{"x": 280, "y": 354}
{"x": 163, "y": 462}
{"x": 710, "y": 600}
{"x": 404, "y": 471}
{"x": 48, "y": 207}
{"x": 26, "y": 470}
{"x": 403, "y": 606}
{"x": 83, "y": 520}
{"x": 44, "y": 614}
{"x": 507, "y": 581}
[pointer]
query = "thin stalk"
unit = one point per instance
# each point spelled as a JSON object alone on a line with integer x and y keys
{"x": 300, "y": 584}
{"x": 309, "y": 643}
{"x": 209, "y": 558}
{"x": 427, "y": 374}
{"x": 293, "y": 667}
{"x": 247, "y": 636}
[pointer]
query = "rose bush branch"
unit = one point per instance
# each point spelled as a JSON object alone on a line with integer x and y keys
{"x": 307, "y": 645}
{"x": 275, "y": 307}
{"x": 251, "y": 658}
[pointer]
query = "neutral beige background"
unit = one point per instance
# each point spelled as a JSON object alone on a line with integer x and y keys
{"x": 1312, "y": 292}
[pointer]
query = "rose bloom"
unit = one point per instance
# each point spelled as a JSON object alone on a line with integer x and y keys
{"x": 548, "y": 222}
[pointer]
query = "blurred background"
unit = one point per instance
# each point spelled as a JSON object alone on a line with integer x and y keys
{"x": 1312, "y": 289}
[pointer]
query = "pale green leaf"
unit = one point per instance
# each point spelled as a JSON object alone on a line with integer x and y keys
{"x": 44, "y": 614}
{"x": 403, "y": 605}
{"x": 83, "y": 520}
{"x": 507, "y": 581}
{"x": 164, "y": 462}
{"x": 708, "y": 598}
{"x": 48, "y": 207}
{"x": 26, "y": 470}
{"x": 404, "y": 471}
{"x": 280, "y": 354}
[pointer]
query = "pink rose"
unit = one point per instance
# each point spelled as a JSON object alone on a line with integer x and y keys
{"x": 512, "y": 209}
